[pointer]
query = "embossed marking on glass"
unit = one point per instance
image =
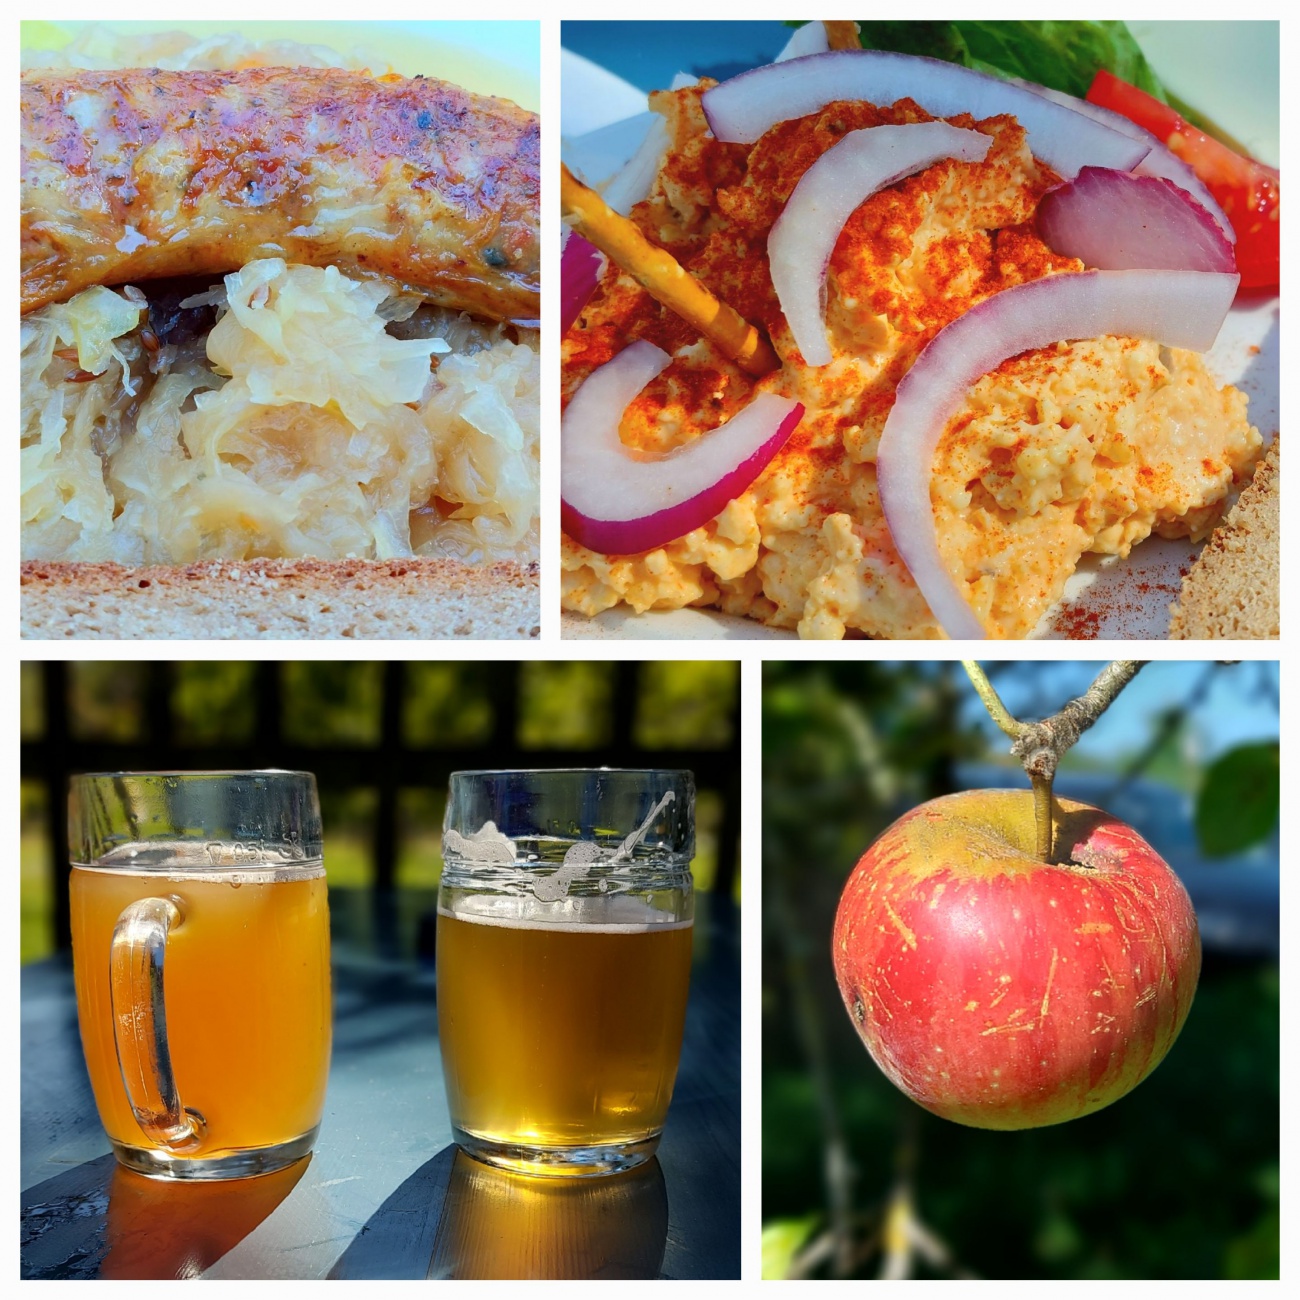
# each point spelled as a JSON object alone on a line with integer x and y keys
{"x": 564, "y": 950}
{"x": 200, "y": 935}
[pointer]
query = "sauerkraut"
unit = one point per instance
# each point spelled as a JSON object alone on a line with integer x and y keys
{"x": 321, "y": 417}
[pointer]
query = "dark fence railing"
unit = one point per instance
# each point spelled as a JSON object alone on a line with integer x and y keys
{"x": 388, "y": 766}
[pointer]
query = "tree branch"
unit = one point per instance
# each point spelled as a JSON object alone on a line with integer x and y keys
{"x": 1040, "y": 745}
{"x": 989, "y": 697}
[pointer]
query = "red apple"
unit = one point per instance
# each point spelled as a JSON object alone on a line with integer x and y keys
{"x": 1002, "y": 992}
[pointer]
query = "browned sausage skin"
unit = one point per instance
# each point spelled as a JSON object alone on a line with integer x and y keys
{"x": 141, "y": 173}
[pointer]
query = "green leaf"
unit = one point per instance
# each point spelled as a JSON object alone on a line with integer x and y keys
{"x": 1238, "y": 803}
{"x": 1062, "y": 55}
{"x": 1256, "y": 1253}
{"x": 1058, "y": 1238}
{"x": 782, "y": 1241}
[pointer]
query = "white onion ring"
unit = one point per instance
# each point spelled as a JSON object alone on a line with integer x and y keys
{"x": 811, "y": 38}
{"x": 634, "y": 182}
{"x": 1178, "y": 308}
{"x": 1118, "y": 221}
{"x": 801, "y": 242}
{"x": 742, "y": 109}
{"x": 617, "y": 504}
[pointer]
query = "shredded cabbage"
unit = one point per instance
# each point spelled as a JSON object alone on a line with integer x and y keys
{"x": 94, "y": 319}
{"x": 485, "y": 420}
{"x": 314, "y": 337}
{"x": 303, "y": 428}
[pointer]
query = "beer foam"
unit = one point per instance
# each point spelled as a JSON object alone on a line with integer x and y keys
{"x": 183, "y": 859}
{"x": 607, "y": 914}
{"x": 157, "y": 876}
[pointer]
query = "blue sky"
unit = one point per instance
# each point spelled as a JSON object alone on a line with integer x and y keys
{"x": 1239, "y": 705}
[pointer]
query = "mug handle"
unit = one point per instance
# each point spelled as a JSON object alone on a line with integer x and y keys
{"x": 140, "y": 1024}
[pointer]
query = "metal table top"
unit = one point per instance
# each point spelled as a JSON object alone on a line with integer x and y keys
{"x": 386, "y": 1194}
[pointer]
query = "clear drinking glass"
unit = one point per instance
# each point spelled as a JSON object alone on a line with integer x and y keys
{"x": 564, "y": 952}
{"x": 200, "y": 940}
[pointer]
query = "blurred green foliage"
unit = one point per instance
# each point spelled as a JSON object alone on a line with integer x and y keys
{"x": 213, "y": 703}
{"x": 447, "y": 704}
{"x": 782, "y": 1241}
{"x": 561, "y": 706}
{"x": 35, "y": 873}
{"x": 328, "y": 702}
{"x": 419, "y": 836}
{"x": 31, "y": 704}
{"x": 708, "y": 819}
{"x": 687, "y": 704}
{"x": 1179, "y": 1179}
{"x": 348, "y": 817}
{"x": 106, "y": 700}
{"x": 565, "y": 705}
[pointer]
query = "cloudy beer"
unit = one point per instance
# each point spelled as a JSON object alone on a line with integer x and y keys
{"x": 564, "y": 953}
{"x": 248, "y": 1001}
{"x": 562, "y": 1033}
{"x": 201, "y": 956}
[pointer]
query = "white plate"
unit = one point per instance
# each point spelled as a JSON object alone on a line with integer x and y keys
{"x": 1106, "y": 598}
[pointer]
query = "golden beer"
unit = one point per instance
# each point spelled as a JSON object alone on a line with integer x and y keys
{"x": 561, "y": 1027}
{"x": 247, "y": 986}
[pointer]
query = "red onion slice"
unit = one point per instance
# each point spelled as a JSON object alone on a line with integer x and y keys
{"x": 1161, "y": 161}
{"x": 803, "y": 238}
{"x": 1177, "y": 308}
{"x": 1117, "y": 221}
{"x": 1166, "y": 165}
{"x": 615, "y": 503}
{"x": 581, "y": 266}
{"x": 742, "y": 109}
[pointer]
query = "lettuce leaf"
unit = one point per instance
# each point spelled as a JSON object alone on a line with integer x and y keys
{"x": 1062, "y": 55}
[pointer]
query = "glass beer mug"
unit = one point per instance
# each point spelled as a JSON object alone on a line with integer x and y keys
{"x": 200, "y": 941}
{"x": 564, "y": 953}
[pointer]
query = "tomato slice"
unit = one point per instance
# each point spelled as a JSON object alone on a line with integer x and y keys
{"x": 1246, "y": 190}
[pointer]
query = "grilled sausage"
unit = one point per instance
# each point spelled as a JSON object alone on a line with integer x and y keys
{"x": 134, "y": 174}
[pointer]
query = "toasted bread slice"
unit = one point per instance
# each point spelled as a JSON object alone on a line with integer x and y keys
{"x": 1233, "y": 589}
{"x": 273, "y": 599}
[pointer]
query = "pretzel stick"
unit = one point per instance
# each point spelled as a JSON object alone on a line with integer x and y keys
{"x": 842, "y": 36}
{"x": 660, "y": 274}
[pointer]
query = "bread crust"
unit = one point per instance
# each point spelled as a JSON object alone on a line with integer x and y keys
{"x": 1233, "y": 591}
{"x": 416, "y": 599}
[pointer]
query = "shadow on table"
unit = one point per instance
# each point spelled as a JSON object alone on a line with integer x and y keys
{"x": 100, "y": 1220}
{"x": 458, "y": 1218}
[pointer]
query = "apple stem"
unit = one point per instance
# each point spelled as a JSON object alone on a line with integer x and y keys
{"x": 1043, "y": 817}
{"x": 1040, "y": 745}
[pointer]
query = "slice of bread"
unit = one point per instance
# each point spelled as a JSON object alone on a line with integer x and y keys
{"x": 1233, "y": 589}
{"x": 274, "y": 599}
